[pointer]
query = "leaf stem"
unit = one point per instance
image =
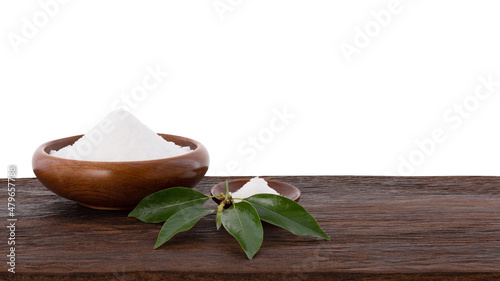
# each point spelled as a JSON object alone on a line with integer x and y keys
{"x": 227, "y": 189}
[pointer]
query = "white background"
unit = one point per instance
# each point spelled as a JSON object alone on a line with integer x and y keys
{"x": 231, "y": 70}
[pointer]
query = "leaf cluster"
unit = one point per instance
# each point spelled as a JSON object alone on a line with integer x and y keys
{"x": 181, "y": 208}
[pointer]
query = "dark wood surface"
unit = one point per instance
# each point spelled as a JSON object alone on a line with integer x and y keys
{"x": 382, "y": 228}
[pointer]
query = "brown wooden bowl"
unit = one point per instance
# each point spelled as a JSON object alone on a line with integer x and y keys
{"x": 117, "y": 185}
{"x": 287, "y": 190}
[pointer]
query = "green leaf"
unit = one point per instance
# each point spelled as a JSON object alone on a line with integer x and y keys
{"x": 286, "y": 213}
{"x": 159, "y": 206}
{"x": 242, "y": 221}
{"x": 181, "y": 221}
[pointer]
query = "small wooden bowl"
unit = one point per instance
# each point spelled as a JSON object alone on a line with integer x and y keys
{"x": 284, "y": 189}
{"x": 117, "y": 185}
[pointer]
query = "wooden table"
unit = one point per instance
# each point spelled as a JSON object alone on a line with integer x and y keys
{"x": 382, "y": 228}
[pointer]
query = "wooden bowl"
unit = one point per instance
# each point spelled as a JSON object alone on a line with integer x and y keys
{"x": 117, "y": 185}
{"x": 284, "y": 189}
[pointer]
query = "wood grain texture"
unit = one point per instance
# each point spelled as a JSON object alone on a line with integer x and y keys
{"x": 382, "y": 228}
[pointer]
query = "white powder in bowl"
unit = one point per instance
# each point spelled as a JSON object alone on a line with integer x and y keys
{"x": 120, "y": 137}
{"x": 253, "y": 186}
